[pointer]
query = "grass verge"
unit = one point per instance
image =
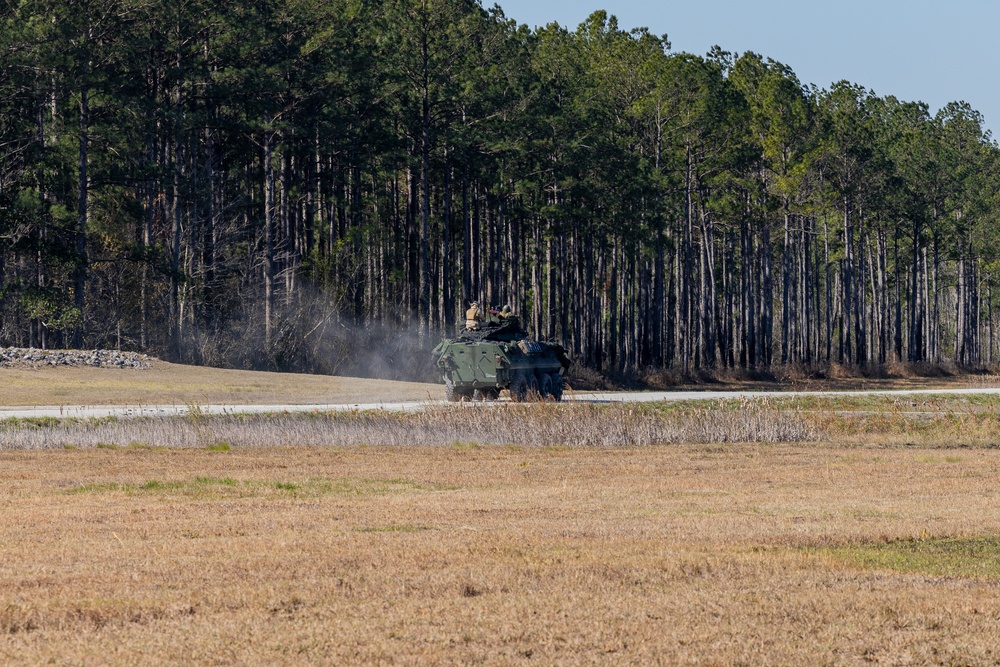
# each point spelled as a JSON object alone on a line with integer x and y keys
{"x": 968, "y": 421}
{"x": 971, "y": 557}
{"x": 542, "y": 425}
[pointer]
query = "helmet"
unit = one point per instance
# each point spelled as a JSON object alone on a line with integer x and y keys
{"x": 506, "y": 309}
{"x": 473, "y": 304}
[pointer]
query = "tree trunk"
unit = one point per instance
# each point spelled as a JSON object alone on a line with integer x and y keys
{"x": 425, "y": 195}
{"x": 269, "y": 234}
{"x": 82, "y": 209}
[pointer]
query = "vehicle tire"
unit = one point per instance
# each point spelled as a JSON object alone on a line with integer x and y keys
{"x": 453, "y": 393}
{"x": 532, "y": 387}
{"x": 519, "y": 387}
{"x": 487, "y": 394}
{"x": 558, "y": 384}
{"x": 545, "y": 386}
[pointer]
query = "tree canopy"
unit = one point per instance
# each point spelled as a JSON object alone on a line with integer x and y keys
{"x": 279, "y": 183}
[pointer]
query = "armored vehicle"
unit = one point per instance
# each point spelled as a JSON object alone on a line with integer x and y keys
{"x": 480, "y": 363}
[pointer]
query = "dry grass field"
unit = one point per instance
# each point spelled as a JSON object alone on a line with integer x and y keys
{"x": 466, "y": 554}
{"x": 176, "y": 384}
{"x": 841, "y": 531}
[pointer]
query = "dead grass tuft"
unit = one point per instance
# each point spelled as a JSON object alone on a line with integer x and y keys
{"x": 920, "y": 370}
{"x": 840, "y": 372}
{"x": 582, "y": 378}
{"x": 470, "y": 591}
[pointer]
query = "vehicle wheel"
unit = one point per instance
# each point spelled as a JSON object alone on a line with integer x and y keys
{"x": 545, "y": 385}
{"x": 557, "y": 385}
{"x": 453, "y": 393}
{"x": 532, "y": 387}
{"x": 519, "y": 387}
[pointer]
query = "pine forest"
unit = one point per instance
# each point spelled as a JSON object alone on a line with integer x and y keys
{"x": 325, "y": 185}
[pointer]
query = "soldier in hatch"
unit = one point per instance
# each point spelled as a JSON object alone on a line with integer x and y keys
{"x": 473, "y": 316}
{"x": 507, "y": 318}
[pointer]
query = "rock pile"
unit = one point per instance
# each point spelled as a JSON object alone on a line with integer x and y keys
{"x": 19, "y": 357}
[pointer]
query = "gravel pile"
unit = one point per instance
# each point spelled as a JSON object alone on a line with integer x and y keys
{"x": 19, "y": 357}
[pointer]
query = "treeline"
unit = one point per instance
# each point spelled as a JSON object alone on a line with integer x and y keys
{"x": 283, "y": 183}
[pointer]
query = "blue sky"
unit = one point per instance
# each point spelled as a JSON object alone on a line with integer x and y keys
{"x": 924, "y": 50}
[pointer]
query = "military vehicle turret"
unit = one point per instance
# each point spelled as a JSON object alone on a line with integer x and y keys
{"x": 478, "y": 364}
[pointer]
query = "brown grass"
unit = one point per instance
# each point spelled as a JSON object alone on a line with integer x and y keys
{"x": 516, "y": 534}
{"x": 857, "y": 421}
{"x": 530, "y": 425}
{"x": 734, "y": 554}
{"x": 174, "y": 384}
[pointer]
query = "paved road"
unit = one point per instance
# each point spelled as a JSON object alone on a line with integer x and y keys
{"x": 94, "y": 411}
